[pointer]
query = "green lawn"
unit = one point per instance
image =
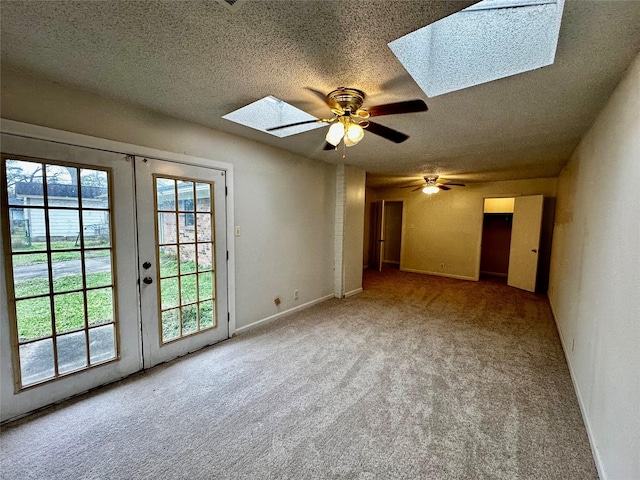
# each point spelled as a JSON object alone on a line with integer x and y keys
{"x": 33, "y": 258}
{"x": 34, "y": 315}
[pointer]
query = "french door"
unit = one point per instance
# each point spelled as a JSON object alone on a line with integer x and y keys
{"x": 111, "y": 263}
{"x": 183, "y": 257}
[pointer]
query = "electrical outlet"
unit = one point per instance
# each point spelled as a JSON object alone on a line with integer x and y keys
{"x": 237, "y": 230}
{"x": 442, "y": 266}
{"x": 296, "y": 294}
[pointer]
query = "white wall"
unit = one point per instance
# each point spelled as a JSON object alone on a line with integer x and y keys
{"x": 284, "y": 203}
{"x": 447, "y": 227}
{"x": 595, "y": 278}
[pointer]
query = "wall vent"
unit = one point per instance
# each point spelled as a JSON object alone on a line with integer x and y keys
{"x": 232, "y": 5}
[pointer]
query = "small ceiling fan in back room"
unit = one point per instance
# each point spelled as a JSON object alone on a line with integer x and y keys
{"x": 432, "y": 185}
{"x": 350, "y": 118}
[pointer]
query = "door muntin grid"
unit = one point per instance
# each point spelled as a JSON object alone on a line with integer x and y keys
{"x": 60, "y": 280}
{"x": 185, "y": 253}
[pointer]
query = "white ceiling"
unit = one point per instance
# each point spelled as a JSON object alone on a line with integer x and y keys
{"x": 198, "y": 60}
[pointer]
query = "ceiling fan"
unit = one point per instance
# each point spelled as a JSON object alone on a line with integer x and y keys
{"x": 433, "y": 186}
{"x": 350, "y": 118}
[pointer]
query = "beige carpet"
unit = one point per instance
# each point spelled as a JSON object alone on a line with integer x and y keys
{"x": 418, "y": 377}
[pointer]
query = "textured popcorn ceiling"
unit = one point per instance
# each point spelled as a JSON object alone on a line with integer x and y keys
{"x": 199, "y": 60}
{"x": 487, "y": 41}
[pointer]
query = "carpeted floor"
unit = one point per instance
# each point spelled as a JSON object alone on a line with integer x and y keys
{"x": 419, "y": 377}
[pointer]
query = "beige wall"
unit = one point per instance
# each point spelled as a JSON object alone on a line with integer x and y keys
{"x": 353, "y": 229}
{"x": 595, "y": 278}
{"x": 446, "y": 228}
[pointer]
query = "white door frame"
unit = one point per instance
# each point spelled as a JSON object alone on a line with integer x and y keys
{"x": 20, "y": 129}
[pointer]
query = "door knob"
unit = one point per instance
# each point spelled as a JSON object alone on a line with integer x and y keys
{"x": 146, "y": 265}
{"x": 148, "y": 280}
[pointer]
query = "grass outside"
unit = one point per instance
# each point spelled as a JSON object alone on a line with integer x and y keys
{"x": 34, "y": 258}
{"x": 34, "y": 315}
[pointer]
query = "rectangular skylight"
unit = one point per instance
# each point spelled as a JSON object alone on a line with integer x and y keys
{"x": 490, "y": 40}
{"x": 270, "y": 112}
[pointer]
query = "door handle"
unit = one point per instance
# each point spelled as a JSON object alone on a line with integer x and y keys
{"x": 534, "y": 250}
{"x": 148, "y": 280}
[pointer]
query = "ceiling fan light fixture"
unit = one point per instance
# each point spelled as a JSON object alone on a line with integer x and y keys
{"x": 354, "y": 133}
{"x": 335, "y": 133}
{"x": 430, "y": 189}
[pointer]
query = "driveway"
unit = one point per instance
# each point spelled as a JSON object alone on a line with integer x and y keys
{"x": 67, "y": 267}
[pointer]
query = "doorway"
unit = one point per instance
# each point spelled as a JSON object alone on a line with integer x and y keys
{"x": 113, "y": 263}
{"x": 387, "y": 234}
{"x": 511, "y": 240}
{"x": 392, "y": 234}
{"x": 496, "y": 243}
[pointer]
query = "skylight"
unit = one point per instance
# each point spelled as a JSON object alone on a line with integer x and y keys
{"x": 490, "y": 40}
{"x": 270, "y": 112}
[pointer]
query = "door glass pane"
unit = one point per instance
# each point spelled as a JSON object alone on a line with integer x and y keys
{"x": 60, "y": 226}
{"x": 166, "y": 194}
{"x": 185, "y": 196}
{"x": 185, "y": 248}
{"x": 62, "y": 186}
{"x": 95, "y": 193}
{"x": 95, "y": 228}
{"x": 187, "y": 227}
{"x": 203, "y": 197}
{"x": 31, "y": 275}
{"x": 67, "y": 271}
{"x": 64, "y": 228}
{"x": 100, "y": 306}
{"x": 98, "y": 268}
{"x": 28, "y": 229}
{"x": 167, "y": 228}
{"x": 102, "y": 344}
{"x": 33, "y": 318}
{"x": 69, "y": 311}
{"x": 187, "y": 259}
{"x": 206, "y": 314}
{"x": 168, "y": 261}
{"x": 72, "y": 352}
{"x": 36, "y": 361}
{"x": 170, "y": 325}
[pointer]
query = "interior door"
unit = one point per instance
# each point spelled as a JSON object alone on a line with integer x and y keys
{"x": 183, "y": 258}
{"x": 379, "y": 235}
{"x": 525, "y": 242}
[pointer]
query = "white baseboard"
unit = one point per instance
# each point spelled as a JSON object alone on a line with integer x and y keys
{"x": 353, "y": 292}
{"x": 594, "y": 449}
{"x": 246, "y": 328}
{"x": 439, "y": 274}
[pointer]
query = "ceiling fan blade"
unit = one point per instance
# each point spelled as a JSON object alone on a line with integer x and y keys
{"x": 416, "y": 189}
{"x": 456, "y": 184}
{"x": 411, "y": 186}
{"x": 328, "y": 146}
{"x": 295, "y": 124}
{"x": 409, "y": 106}
{"x": 386, "y": 132}
{"x": 443, "y": 187}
